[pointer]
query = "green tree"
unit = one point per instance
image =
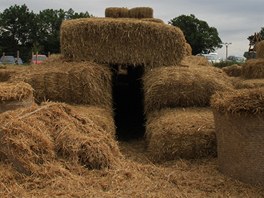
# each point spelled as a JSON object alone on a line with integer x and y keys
{"x": 198, "y": 34}
{"x": 49, "y": 22}
{"x": 17, "y": 29}
{"x": 23, "y": 30}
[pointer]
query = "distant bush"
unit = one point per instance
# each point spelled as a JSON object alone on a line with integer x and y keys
{"x": 226, "y": 63}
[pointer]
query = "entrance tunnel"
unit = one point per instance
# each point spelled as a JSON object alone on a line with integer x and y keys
{"x": 128, "y": 101}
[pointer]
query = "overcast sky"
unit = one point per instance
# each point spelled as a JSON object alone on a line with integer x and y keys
{"x": 235, "y": 20}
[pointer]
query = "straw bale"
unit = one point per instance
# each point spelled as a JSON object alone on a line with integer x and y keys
{"x": 91, "y": 85}
{"x": 100, "y": 116}
{"x": 240, "y": 146}
{"x": 37, "y": 83}
{"x": 155, "y": 20}
{"x": 242, "y": 101}
{"x": 181, "y": 133}
{"x": 70, "y": 82}
{"x": 57, "y": 86}
{"x": 260, "y": 49}
{"x": 195, "y": 61}
{"x": 233, "y": 70}
{"x": 182, "y": 86}
{"x": 15, "y": 95}
{"x": 140, "y": 12}
{"x": 138, "y": 43}
{"x": 188, "y": 49}
{"x": 7, "y": 72}
{"x": 253, "y": 68}
{"x": 115, "y": 12}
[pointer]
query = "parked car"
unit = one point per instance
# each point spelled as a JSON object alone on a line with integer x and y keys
{"x": 8, "y": 60}
{"x": 236, "y": 59}
{"x": 38, "y": 59}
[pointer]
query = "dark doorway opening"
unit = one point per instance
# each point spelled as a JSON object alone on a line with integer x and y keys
{"x": 128, "y": 101}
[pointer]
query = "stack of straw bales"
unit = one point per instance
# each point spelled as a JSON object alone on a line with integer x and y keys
{"x": 252, "y": 74}
{"x": 122, "y": 41}
{"x": 252, "y": 71}
{"x": 34, "y": 136}
{"x": 15, "y": 95}
{"x": 181, "y": 132}
{"x": 240, "y": 146}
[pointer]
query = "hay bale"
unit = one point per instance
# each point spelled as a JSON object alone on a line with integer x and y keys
{"x": 37, "y": 83}
{"x": 140, "y": 12}
{"x": 70, "y": 82}
{"x": 91, "y": 84}
{"x": 240, "y": 146}
{"x": 195, "y": 61}
{"x": 182, "y": 86}
{"x": 188, "y": 49}
{"x": 114, "y": 12}
{"x": 15, "y": 95}
{"x": 6, "y": 73}
{"x": 155, "y": 20}
{"x": 181, "y": 133}
{"x": 34, "y": 136}
{"x": 260, "y": 49}
{"x": 122, "y": 41}
{"x": 233, "y": 70}
{"x": 57, "y": 86}
{"x": 253, "y": 68}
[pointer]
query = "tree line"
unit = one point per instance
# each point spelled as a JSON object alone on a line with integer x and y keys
{"x": 28, "y": 32}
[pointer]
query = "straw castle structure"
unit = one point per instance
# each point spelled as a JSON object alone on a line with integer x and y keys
{"x": 124, "y": 111}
